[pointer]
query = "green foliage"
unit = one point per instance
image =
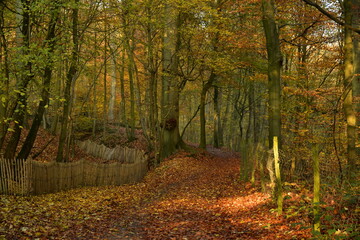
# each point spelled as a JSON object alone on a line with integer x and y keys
{"x": 337, "y": 221}
{"x": 83, "y": 126}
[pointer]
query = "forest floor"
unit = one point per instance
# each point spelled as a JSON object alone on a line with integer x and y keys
{"x": 189, "y": 196}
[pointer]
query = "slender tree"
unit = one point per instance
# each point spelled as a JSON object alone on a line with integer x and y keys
{"x": 170, "y": 136}
{"x": 217, "y": 4}
{"x": 70, "y": 78}
{"x": 24, "y": 76}
{"x": 348, "y": 86}
{"x": 50, "y": 42}
{"x": 4, "y": 76}
{"x": 274, "y": 68}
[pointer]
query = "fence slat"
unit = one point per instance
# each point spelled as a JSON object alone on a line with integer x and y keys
{"x": 22, "y": 177}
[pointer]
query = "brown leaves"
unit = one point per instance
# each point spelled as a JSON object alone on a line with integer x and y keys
{"x": 186, "y": 197}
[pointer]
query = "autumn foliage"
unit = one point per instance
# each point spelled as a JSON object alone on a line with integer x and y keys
{"x": 190, "y": 196}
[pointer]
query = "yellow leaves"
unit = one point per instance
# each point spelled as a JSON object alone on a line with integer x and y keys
{"x": 187, "y": 196}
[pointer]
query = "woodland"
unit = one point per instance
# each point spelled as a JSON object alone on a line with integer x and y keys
{"x": 247, "y": 113}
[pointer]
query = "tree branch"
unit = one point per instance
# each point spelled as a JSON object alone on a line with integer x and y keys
{"x": 329, "y": 15}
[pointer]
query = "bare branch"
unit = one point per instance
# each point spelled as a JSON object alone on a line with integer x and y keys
{"x": 329, "y": 15}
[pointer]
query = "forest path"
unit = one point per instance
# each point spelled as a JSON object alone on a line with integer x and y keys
{"x": 200, "y": 197}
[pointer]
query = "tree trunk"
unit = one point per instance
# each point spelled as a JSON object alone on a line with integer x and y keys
{"x": 5, "y": 74}
{"x": 122, "y": 93}
{"x": 278, "y": 183}
{"x": 348, "y": 95}
{"x": 70, "y": 78}
{"x": 218, "y": 131}
{"x": 225, "y": 118}
{"x": 356, "y": 80}
{"x": 170, "y": 136}
{"x": 250, "y": 128}
{"x": 128, "y": 35}
{"x": 132, "y": 98}
{"x": 95, "y": 76}
{"x": 50, "y": 39}
{"x": 151, "y": 71}
{"x": 204, "y": 91}
{"x": 274, "y": 67}
{"x": 316, "y": 191}
{"x": 112, "y": 99}
{"x": 24, "y": 78}
{"x": 105, "y": 79}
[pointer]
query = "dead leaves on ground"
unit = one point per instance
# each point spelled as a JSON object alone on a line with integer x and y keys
{"x": 187, "y": 197}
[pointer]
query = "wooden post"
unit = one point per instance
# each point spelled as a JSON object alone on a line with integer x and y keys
{"x": 316, "y": 200}
{"x": 278, "y": 183}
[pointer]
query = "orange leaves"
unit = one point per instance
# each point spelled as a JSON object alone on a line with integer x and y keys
{"x": 191, "y": 196}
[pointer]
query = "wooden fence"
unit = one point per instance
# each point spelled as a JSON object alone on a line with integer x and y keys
{"x": 27, "y": 177}
{"x": 121, "y": 154}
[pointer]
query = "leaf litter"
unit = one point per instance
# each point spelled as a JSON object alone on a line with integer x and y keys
{"x": 189, "y": 196}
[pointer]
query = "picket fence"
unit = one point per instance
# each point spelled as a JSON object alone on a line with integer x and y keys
{"x": 26, "y": 177}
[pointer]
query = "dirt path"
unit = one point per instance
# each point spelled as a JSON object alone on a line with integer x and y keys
{"x": 201, "y": 198}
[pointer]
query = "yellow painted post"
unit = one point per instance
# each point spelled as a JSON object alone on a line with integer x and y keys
{"x": 278, "y": 184}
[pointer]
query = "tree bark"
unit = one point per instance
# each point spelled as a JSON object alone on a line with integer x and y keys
{"x": 70, "y": 78}
{"x": 24, "y": 78}
{"x": 122, "y": 93}
{"x": 95, "y": 77}
{"x": 218, "y": 130}
{"x": 204, "y": 90}
{"x": 274, "y": 67}
{"x": 278, "y": 183}
{"x": 316, "y": 191}
{"x": 112, "y": 100}
{"x": 50, "y": 39}
{"x": 356, "y": 80}
{"x": 348, "y": 94}
{"x": 151, "y": 72}
{"x": 5, "y": 74}
{"x": 170, "y": 136}
{"x": 105, "y": 119}
{"x": 130, "y": 64}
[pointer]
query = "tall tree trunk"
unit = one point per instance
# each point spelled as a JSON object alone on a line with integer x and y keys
{"x": 95, "y": 77}
{"x": 5, "y": 75}
{"x": 356, "y": 80}
{"x": 170, "y": 137}
{"x": 225, "y": 118}
{"x": 218, "y": 131}
{"x": 274, "y": 67}
{"x": 132, "y": 98}
{"x": 24, "y": 78}
{"x": 204, "y": 91}
{"x": 112, "y": 99}
{"x": 316, "y": 191}
{"x": 278, "y": 183}
{"x": 70, "y": 78}
{"x": 50, "y": 39}
{"x": 151, "y": 71}
{"x": 122, "y": 93}
{"x": 249, "y": 131}
{"x": 128, "y": 35}
{"x": 105, "y": 78}
{"x": 212, "y": 78}
{"x": 348, "y": 95}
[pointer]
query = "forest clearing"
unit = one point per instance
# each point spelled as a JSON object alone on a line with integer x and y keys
{"x": 179, "y": 119}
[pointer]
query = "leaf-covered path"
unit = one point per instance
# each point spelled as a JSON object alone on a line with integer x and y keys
{"x": 191, "y": 196}
{"x": 201, "y": 198}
